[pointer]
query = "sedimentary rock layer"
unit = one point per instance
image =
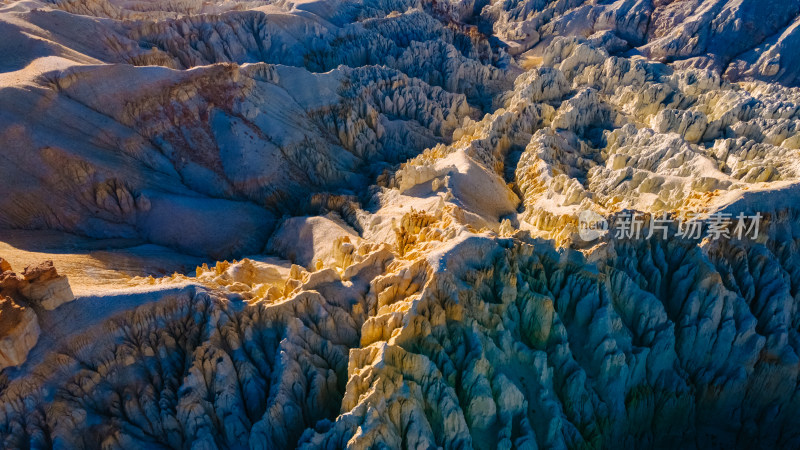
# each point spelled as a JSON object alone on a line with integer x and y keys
{"x": 389, "y": 198}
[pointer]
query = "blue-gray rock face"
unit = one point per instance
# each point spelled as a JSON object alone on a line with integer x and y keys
{"x": 410, "y": 182}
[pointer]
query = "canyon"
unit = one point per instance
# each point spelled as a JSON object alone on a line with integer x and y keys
{"x": 362, "y": 223}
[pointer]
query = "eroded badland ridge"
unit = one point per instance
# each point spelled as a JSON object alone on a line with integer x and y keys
{"x": 386, "y": 203}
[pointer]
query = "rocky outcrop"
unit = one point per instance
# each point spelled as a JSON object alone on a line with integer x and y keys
{"x": 240, "y": 135}
{"x": 219, "y": 148}
{"x": 457, "y": 338}
{"x": 19, "y": 331}
{"x": 237, "y": 134}
{"x": 38, "y": 287}
{"x": 737, "y": 38}
{"x": 589, "y": 131}
{"x": 44, "y": 287}
{"x": 411, "y": 203}
{"x": 278, "y": 363}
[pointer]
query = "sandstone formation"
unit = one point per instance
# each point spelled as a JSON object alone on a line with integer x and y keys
{"x": 43, "y": 286}
{"x": 36, "y": 287}
{"x": 19, "y": 331}
{"x": 389, "y": 198}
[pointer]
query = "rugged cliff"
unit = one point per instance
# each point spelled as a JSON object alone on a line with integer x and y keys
{"x": 391, "y": 198}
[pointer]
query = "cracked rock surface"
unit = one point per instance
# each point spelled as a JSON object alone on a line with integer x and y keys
{"x": 357, "y": 223}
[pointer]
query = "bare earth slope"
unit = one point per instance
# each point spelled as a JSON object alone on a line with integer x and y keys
{"x": 384, "y": 204}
